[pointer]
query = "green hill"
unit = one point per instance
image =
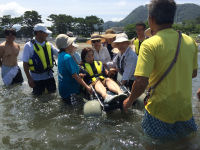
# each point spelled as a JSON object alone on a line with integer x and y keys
{"x": 184, "y": 12}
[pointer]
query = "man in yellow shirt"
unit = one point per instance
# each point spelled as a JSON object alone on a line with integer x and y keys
{"x": 140, "y": 29}
{"x": 168, "y": 112}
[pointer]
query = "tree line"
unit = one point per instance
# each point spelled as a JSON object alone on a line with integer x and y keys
{"x": 188, "y": 27}
{"x": 84, "y": 27}
{"x": 61, "y": 23}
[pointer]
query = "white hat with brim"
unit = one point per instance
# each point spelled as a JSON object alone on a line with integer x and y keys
{"x": 41, "y": 27}
{"x": 63, "y": 41}
{"x": 122, "y": 37}
{"x": 95, "y": 37}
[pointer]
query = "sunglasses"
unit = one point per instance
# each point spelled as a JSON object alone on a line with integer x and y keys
{"x": 94, "y": 41}
{"x": 10, "y": 32}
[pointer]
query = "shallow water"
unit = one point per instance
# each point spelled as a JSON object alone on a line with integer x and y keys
{"x": 47, "y": 123}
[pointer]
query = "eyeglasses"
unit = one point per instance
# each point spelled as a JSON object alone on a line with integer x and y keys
{"x": 94, "y": 41}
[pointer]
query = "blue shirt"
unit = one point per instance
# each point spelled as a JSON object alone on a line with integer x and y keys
{"x": 66, "y": 68}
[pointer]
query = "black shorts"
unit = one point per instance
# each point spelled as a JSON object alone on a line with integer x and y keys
{"x": 18, "y": 78}
{"x": 40, "y": 86}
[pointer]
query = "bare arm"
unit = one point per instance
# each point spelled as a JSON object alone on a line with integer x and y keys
{"x": 26, "y": 70}
{"x": 82, "y": 82}
{"x": 138, "y": 88}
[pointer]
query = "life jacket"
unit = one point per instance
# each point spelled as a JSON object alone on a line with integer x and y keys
{"x": 42, "y": 59}
{"x": 94, "y": 74}
{"x": 136, "y": 42}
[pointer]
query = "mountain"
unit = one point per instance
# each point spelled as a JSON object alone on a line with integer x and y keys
{"x": 183, "y": 12}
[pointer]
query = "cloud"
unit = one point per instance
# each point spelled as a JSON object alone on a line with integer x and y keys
{"x": 121, "y": 3}
{"x": 12, "y": 8}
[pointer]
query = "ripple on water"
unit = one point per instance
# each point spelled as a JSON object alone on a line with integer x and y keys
{"x": 47, "y": 123}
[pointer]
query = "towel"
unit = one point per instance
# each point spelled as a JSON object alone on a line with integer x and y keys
{"x": 8, "y": 74}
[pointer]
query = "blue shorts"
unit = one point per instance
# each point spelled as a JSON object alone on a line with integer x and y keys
{"x": 160, "y": 130}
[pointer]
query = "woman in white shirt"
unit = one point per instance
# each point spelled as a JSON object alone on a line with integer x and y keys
{"x": 100, "y": 52}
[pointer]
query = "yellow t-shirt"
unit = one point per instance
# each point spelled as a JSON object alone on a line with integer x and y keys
{"x": 171, "y": 100}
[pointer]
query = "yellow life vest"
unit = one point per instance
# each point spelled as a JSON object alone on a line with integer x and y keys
{"x": 98, "y": 65}
{"x": 136, "y": 42}
{"x": 42, "y": 59}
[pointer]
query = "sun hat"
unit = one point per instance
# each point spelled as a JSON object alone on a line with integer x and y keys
{"x": 122, "y": 37}
{"x": 63, "y": 41}
{"x": 147, "y": 32}
{"x": 109, "y": 34}
{"x": 41, "y": 27}
{"x": 95, "y": 37}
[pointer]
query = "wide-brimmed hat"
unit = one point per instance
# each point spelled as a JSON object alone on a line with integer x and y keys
{"x": 109, "y": 34}
{"x": 122, "y": 37}
{"x": 95, "y": 37}
{"x": 41, "y": 27}
{"x": 147, "y": 32}
{"x": 110, "y": 31}
{"x": 63, "y": 41}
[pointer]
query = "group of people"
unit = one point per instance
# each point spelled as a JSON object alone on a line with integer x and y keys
{"x": 168, "y": 109}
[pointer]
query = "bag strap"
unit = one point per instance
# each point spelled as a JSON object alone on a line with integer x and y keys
{"x": 171, "y": 65}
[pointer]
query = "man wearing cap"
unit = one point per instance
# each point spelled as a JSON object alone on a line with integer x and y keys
{"x": 140, "y": 29}
{"x": 125, "y": 61}
{"x": 38, "y": 61}
{"x": 9, "y": 51}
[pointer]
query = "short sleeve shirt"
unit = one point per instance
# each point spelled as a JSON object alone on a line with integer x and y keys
{"x": 66, "y": 68}
{"x": 28, "y": 53}
{"x": 171, "y": 100}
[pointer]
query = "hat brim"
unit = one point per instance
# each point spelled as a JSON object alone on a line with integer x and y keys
{"x": 119, "y": 40}
{"x": 75, "y": 45}
{"x": 94, "y": 39}
{"x": 148, "y": 32}
{"x": 48, "y": 31}
{"x": 109, "y": 36}
{"x": 71, "y": 41}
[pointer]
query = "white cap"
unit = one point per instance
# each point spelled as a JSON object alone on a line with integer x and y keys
{"x": 41, "y": 27}
{"x": 63, "y": 41}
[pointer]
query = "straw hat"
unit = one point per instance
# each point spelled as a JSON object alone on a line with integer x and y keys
{"x": 63, "y": 41}
{"x": 122, "y": 37}
{"x": 147, "y": 32}
{"x": 109, "y": 34}
{"x": 110, "y": 31}
{"x": 95, "y": 37}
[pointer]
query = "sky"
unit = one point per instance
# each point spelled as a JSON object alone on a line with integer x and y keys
{"x": 108, "y": 10}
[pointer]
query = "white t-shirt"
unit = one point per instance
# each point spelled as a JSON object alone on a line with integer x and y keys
{"x": 28, "y": 53}
{"x": 103, "y": 55}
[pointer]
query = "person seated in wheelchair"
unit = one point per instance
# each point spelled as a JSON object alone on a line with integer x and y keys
{"x": 94, "y": 73}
